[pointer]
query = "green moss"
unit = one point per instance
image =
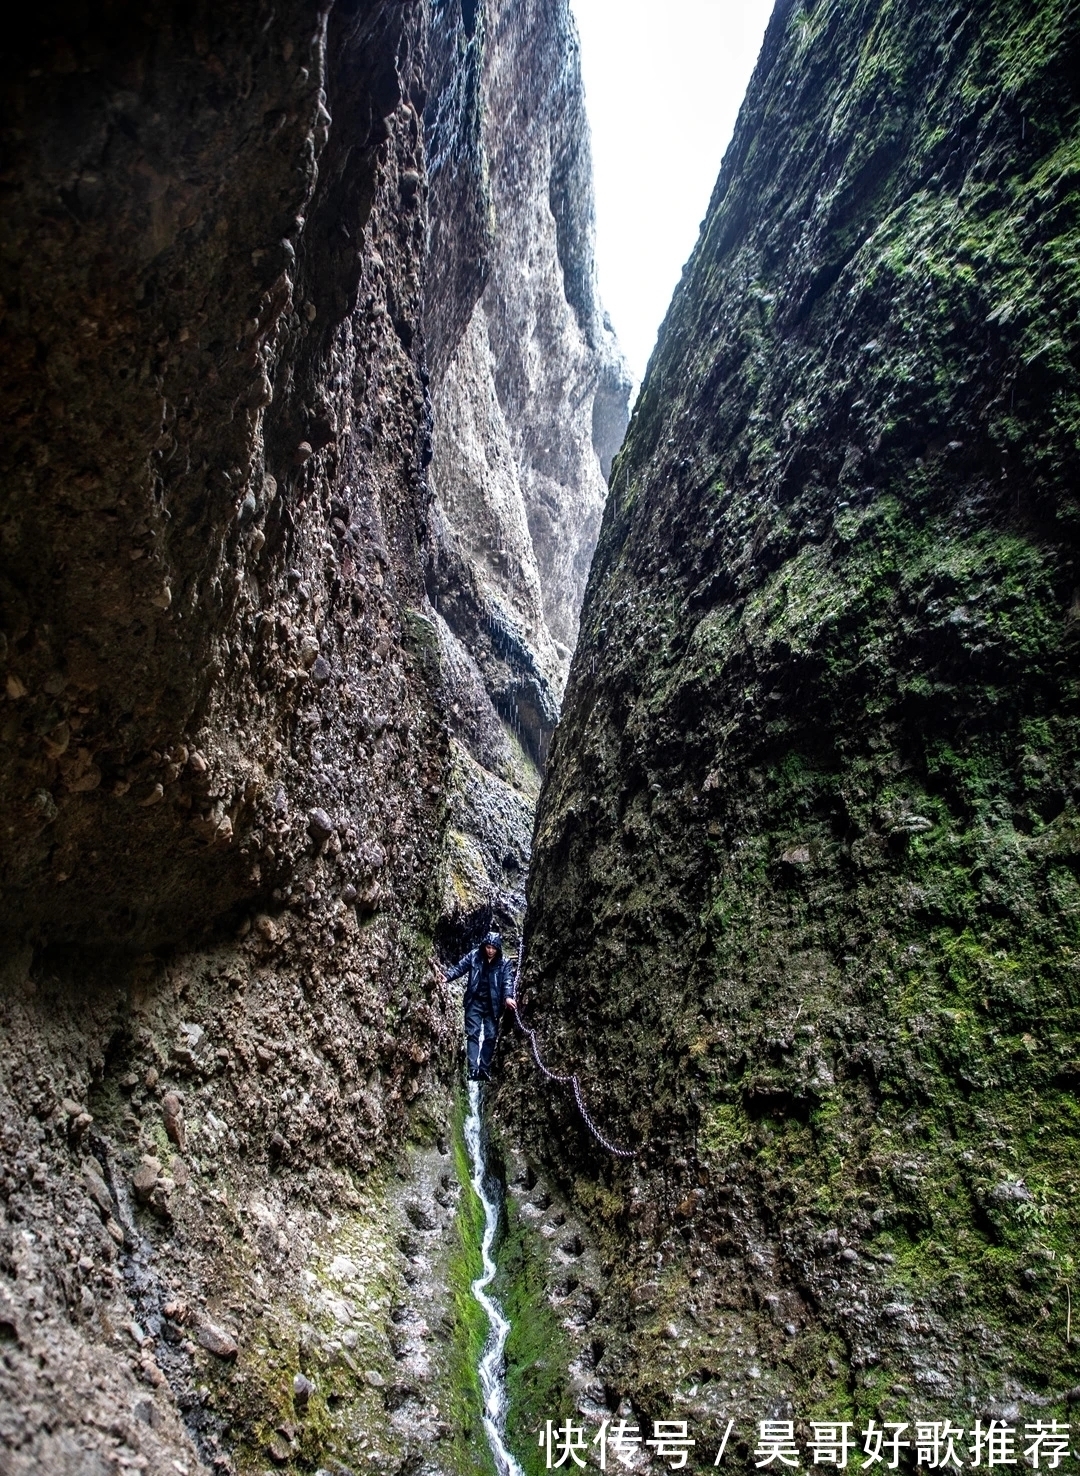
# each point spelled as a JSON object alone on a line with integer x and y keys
{"x": 722, "y": 1131}
{"x": 537, "y": 1352}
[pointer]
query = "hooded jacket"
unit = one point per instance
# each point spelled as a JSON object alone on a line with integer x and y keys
{"x": 500, "y": 972}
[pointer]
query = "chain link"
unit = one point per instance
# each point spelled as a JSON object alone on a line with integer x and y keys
{"x": 569, "y": 1080}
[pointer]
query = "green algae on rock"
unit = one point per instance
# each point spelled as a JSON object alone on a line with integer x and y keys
{"x": 805, "y": 904}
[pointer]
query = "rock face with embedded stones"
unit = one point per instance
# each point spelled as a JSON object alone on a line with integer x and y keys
{"x": 214, "y": 493}
{"x": 223, "y": 736}
{"x": 804, "y": 904}
{"x": 231, "y": 246}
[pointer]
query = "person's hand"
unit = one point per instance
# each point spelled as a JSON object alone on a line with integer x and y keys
{"x": 511, "y": 1004}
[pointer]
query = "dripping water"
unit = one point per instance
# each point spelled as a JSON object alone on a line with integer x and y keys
{"x": 492, "y": 1366}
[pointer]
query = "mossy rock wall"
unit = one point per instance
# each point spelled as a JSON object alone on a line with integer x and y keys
{"x": 805, "y": 904}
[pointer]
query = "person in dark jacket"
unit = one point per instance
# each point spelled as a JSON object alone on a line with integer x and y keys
{"x": 490, "y": 988}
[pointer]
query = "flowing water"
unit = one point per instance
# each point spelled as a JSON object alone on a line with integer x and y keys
{"x": 492, "y": 1367}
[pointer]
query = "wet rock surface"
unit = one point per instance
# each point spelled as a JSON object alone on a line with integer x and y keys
{"x": 803, "y": 898}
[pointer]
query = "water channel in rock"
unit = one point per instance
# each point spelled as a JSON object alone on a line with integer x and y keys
{"x": 492, "y": 1366}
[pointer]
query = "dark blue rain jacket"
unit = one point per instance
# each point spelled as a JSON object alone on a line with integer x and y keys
{"x": 489, "y": 984}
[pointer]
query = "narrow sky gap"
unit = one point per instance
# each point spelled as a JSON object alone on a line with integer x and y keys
{"x": 663, "y": 90}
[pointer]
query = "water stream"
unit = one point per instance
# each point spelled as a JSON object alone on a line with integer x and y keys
{"x": 492, "y": 1366}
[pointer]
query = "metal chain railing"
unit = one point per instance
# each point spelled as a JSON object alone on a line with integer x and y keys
{"x": 569, "y": 1080}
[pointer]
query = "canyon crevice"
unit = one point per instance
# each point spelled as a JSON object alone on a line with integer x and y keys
{"x": 310, "y": 410}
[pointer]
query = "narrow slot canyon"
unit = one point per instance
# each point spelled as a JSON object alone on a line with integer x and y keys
{"x": 349, "y": 612}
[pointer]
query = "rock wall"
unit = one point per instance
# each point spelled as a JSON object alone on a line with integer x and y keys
{"x": 215, "y": 503}
{"x": 803, "y": 909}
{"x": 224, "y": 754}
{"x": 238, "y": 736}
{"x": 529, "y": 396}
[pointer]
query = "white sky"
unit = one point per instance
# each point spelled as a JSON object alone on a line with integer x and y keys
{"x": 663, "y": 85}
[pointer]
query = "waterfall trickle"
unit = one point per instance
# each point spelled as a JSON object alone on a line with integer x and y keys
{"x": 492, "y": 1367}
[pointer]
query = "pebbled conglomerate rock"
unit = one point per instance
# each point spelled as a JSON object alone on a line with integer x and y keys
{"x": 803, "y": 908}
{"x": 214, "y": 502}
